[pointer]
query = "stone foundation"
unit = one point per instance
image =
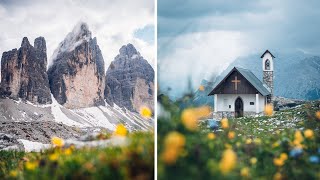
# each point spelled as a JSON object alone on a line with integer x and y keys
{"x": 231, "y": 114}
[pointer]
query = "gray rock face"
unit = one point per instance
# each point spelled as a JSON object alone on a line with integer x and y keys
{"x": 9, "y": 142}
{"x": 130, "y": 80}
{"x": 76, "y": 75}
{"x": 23, "y": 72}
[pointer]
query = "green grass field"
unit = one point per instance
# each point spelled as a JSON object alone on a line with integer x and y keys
{"x": 265, "y": 147}
{"x": 133, "y": 161}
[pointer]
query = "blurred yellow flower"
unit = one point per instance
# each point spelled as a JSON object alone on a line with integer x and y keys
{"x": 31, "y": 165}
{"x": 253, "y": 160}
{"x": 170, "y": 155}
{"x": 275, "y": 144}
{"x": 277, "y": 176}
{"x": 201, "y": 88}
{"x": 13, "y": 173}
{"x": 318, "y": 115}
{"x": 211, "y": 136}
{"x": 248, "y": 141}
{"x": 278, "y": 162}
{"x": 244, "y": 172}
{"x": 224, "y": 123}
{"x": 173, "y": 147}
{"x": 191, "y": 116}
{"x": 175, "y": 140}
{"x": 298, "y": 138}
{"x": 231, "y": 134}
{"x": 268, "y": 109}
{"x": 228, "y": 161}
{"x": 68, "y": 151}
{"x": 53, "y": 157}
{"x": 257, "y": 141}
{"x": 145, "y": 112}
{"x": 308, "y": 134}
{"x": 283, "y": 156}
{"x": 57, "y": 141}
{"x": 120, "y": 130}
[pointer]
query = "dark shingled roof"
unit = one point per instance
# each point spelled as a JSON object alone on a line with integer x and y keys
{"x": 253, "y": 80}
{"x": 267, "y": 51}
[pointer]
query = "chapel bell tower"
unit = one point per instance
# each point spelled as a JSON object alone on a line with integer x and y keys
{"x": 267, "y": 67}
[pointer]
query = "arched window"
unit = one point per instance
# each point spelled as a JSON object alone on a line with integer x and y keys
{"x": 267, "y": 64}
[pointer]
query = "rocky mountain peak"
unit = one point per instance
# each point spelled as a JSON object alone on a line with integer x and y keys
{"x": 128, "y": 50}
{"x": 23, "y": 72}
{"x": 25, "y": 42}
{"x": 77, "y": 36}
{"x": 40, "y": 44}
{"x": 129, "y": 80}
{"x": 76, "y": 75}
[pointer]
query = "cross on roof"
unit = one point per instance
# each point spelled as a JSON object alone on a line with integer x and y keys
{"x": 236, "y": 81}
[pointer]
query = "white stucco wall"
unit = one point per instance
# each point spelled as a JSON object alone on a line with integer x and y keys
{"x": 265, "y": 57}
{"x": 224, "y": 100}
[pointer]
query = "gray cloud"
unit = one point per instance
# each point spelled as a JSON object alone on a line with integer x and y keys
{"x": 252, "y": 27}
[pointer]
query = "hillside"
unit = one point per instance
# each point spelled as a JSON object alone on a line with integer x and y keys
{"x": 284, "y": 145}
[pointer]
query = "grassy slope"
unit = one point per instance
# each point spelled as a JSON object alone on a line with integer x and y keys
{"x": 201, "y": 156}
{"x": 135, "y": 161}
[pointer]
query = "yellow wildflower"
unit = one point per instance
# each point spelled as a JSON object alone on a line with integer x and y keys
{"x": 298, "y": 138}
{"x": 224, "y": 123}
{"x": 257, "y": 141}
{"x": 228, "y": 161}
{"x": 13, "y": 173}
{"x": 278, "y": 162}
{"x": 174, "y": 139}
{"x": 277, "y": 176}
{"x": 53, "y": 157}
{"x": 268, "y": 109}
{"x": 174, "y": 143}
{"x": 120, "y": 130}
{"x": 57, "y": 141}
{"x": 191, "y": 116}
{"x": 231, "y": 135}
{"x": 275, "y": 144}
{"x": 318, "y": 115}
{"x": 308, "y": 134}
{"x": 253, "y": 160}
{"x": 283, "y": 156}
{"x": 244, "y": 172}
{"x": 68, "y": 151}
{"x": 170, "y": 155}
{"x": 211, "y": 136}
{"x": 201, "y": 88}
{"x": 31, "y": 165}
{"x": 145, "y": 112}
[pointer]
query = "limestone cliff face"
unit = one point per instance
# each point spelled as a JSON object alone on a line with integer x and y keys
{"x": 76, "y": 75}
{"x": 130, "y": 80}
{"x": 23, "y": 72}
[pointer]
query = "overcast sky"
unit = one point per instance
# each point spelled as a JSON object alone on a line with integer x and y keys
{"x": 114, "y": 23}
{"x": 199, "y": 38}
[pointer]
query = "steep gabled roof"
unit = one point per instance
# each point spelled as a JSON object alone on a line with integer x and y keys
{"x": 267, "y": 51}
{"x": 250, "y": 77}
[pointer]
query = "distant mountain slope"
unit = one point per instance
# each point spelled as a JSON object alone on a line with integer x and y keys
{"x": 296, "y": 75}
{"x": 106, "y": 117}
